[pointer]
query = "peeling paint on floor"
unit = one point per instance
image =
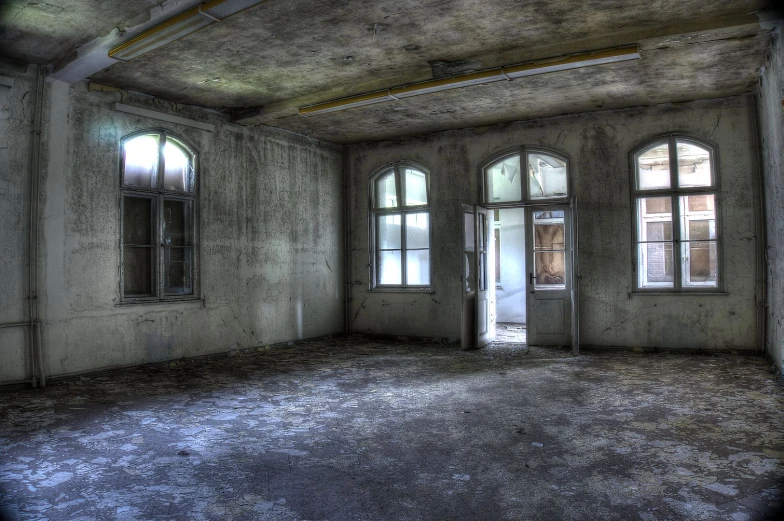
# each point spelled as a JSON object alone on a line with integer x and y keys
{"x": 351, "y": 428}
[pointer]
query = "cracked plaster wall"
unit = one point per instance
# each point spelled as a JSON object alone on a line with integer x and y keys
{"x": 771, "y": 125}
{"x": 599, "y": 145}
{"x": 271, "y": 237}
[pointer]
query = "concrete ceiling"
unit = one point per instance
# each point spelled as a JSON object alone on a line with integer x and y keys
{"x": 283, "y": 54}
{"x": 45, "y": 32}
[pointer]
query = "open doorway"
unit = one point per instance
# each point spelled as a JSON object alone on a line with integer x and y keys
{"x": 508, "y": 234}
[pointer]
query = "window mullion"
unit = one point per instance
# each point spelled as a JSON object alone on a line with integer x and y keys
{"x": 524, "y": 174}
{"x": 159, "y": 246}
{"x": 403, "y": 259}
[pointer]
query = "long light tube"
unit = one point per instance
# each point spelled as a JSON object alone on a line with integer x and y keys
{"x": 187, "y": 22}
{"x": 506, "y": 73}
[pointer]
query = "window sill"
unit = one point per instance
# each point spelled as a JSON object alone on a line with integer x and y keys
{"x": 169, "y": 301}
{"x": 401, "y": 290}
{"x": 679, "y": 293}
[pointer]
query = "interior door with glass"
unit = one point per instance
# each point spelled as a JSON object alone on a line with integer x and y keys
{"x": 485, "y": 272}
{"x": 469, "y": 278}
{"x": 549, "y": 261}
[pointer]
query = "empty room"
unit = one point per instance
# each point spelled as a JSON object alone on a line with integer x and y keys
{"x": 303, "y": 260}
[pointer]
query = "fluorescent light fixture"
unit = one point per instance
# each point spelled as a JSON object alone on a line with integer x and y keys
{"x": 180, "y": 25}
{"x": 506, "y": 73}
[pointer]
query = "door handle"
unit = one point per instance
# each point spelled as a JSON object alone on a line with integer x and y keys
{"x": 531, "y": 278}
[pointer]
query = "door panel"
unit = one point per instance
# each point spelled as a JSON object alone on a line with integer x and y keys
{"x": 468, "y": 279}
{"x": 485, "y": 269}
{"x": 549, "y": 260}
{"x": 575, "y": 281}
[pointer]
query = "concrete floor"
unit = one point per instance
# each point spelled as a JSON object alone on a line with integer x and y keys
{"x": 350, "y": 429}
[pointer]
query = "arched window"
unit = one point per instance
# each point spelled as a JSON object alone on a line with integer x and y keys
{"x": 545, "y": 177}
{"x": 676, "y": 215}
{"x": 400, "y": 227}
{"x": 159, "y": 218}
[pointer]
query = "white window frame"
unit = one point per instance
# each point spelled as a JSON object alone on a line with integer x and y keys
{"x": 158, "y": 194}
{"x": 401, "y": 209}
{"x": 674, "y": 192}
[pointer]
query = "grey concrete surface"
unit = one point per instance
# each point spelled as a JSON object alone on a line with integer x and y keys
{"x": 771, "y": 122}
{"x": 270, "y": 251}
{"x": 352, "y": 429}
{"x": 45, "y": 32}
{"x": 598, "y": 145}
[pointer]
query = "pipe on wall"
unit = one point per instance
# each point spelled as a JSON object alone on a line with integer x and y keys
{"x": 34, "y": 336}
{"x": 346, "y": 242}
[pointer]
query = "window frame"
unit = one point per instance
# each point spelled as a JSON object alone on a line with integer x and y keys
{"x": 675, "y": 192}
{"x": 525, "y": 200}
{"x": 158, "y": 195}
{"x": 397, "y": 168}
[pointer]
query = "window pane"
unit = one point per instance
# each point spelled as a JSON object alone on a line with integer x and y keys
{"x": 698, "y": 217}
{"x": 503, "y": 180}
{"x": 549, "y": 236}
{"x": 418, "y": 230}
{"x": 177, "y": 264}
{"x": 699, "y": 264}
{"x": 177, "y": 223}
{"x": 470, "y": 258}
{"x": 389, "y": 268}
{"x": 694, "y": 165}
{"x": 550, "y": 269}
{"x": 386, "y": 193}
{"x": 140, "y": 161}
{"x": 653, "y": 168}
{"x": 177, "y": 168}
{"x": 468, "y": 228}
{"x": 389, "y": 232}
{"x": 137, "y": 220}
{"x": 416, "y": 187}
{"x": 546, "y": 176}
{"x": 418, "y": 267}
{"x": 655, "y": 269}
{"x": 137, "y": 271}
{"x": 654, "y": 219}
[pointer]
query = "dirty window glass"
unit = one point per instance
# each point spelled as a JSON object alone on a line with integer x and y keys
{"x": 653, "y": 168}
{"x": 177, "y": 167}
{"x": 503, "y": 180}
{"x": 140, "y": 161}
{"x": 694, "y": 165}
{"x": 547, "y": 177}
{"x": 386, "y": 191}
{"x": 416, "y": 187}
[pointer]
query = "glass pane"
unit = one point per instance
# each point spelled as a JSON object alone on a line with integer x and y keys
{"x": 549, "y": 269}
{"x": 502, "y": 180}
{"x": 546, "y": 176}
{"x": 698, "y": 217}
{"x": 654, "y": 219}
{"x": 700, "y": 264}
{"x": 653, "y": 168}
{"x": 140, "y": 161}
{"x": 389, "y": 268}
{"x": 418, "y": 230}
{"x": 177, "y": 168}
{"x": 418, "y": 267}
{"x": 482, "y": 232}
{"x": 468, "y": 227}
{"x": 549, "y": 236}
{"x": 482, "y": 271}
{"x": 177, "y": 223}
{"x": 177, "y": 264}
{"x": 137, "y": 271}
{"x": 386, "y": 193}
{"x": 694, "y": 165}
{"x": 389, "y": 232}
{"x": 655, "y": 265}
{"x": 470, "y": 257}
{"x": 137, "y": 220}
{"x": 416, "y": 187}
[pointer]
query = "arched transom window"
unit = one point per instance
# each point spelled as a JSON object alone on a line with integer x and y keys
{"x": 400, "y": 227}
{"x": 676, "y": 214}
{"x": 526, "y": 175}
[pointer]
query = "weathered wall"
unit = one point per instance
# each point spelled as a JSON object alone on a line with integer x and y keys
{"x": 599, "y": 145}
{"x": 271, "y": 238}
{"x": 771, "y": 124}
{"x": 16, "y": 120}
